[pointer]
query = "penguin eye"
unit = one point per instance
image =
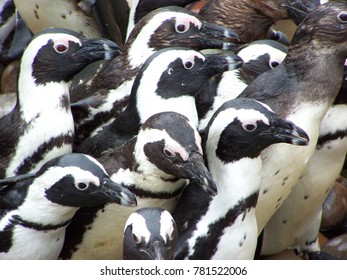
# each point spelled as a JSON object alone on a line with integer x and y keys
{"x": 82, "y": 186}
{"x": 60, "y": 48}
{"x": 188, "y": 64}
{"x": 342, "y": 17}
{"x": 249, "y": 127}
{"x": 273, "y": 64}
{"x": 136, "y": 239}
{"x": 181, "y": 27}
{"x": 168, "y": 153}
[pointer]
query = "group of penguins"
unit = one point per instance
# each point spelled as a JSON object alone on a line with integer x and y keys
{"x": 200, "y": 134}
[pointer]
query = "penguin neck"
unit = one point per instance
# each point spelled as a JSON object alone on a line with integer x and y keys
{"x": 236, "y": 180}
{"x": 37, "y": 99}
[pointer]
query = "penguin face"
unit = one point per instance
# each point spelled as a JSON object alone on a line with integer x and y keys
{"x": 149, "y": 234}
{"x": 80, "y": 181}
{"x": 176, "y": 26}
{"x": 244, "y": 127}
{"x": 57, "y": 54}
{"x": 168, "y": 144}
{"x": 332, "y": 32}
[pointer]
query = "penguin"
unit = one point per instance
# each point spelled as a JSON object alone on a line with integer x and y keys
{"x": 168, "y": 81}
{"x": 150, "y": 234}
{"x": 300, "y": 231}
{"x": 140, "y": 8}
{"x": 41, "y": 126}
{"x": 224, "y": 226}
{"x": 155, "y": 165}
{"x": 258, "y": 56}
{"x": 253, "y": 19}
{"x": 36, "y": 208}
{"x": 301, "y": 89}
{"x": 102, "y": 91}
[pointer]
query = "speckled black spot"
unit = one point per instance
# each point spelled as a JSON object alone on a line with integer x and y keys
{"x": 245, "y": 236}
{"x": 277, "y": 205}
{"x": 327, "y": 190}
{"x": 284, "y": 221}
{"x": 36, "y": 14}
{"x": 306, "y": 197}
{"x": 63, "y": 16}
{"x": 240, "y": 243}
{"x": 37, "y": 6}
{"x": 278, "y": 200}
{"x": 278, "y": 171}
{"x": 265, "y": 191}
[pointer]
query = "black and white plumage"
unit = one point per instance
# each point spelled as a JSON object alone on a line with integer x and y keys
{"x": 140, "y": 8}
{"x": 101, "y": 92}
{"x": 258, "y": 56}
{"x": 169, "y": 80}
{"x": 40, "y": 126}
{"x": 301, "y": 89}
{"x": 253, "y": 19}
{"x": 150, "y": 234}
{"x": 155, "y": 165}
{"x": 224, "y": 226}
{"x": 35, "y": 209}
{"x": 297, "y": 223}
{"x": 7, "y": 22}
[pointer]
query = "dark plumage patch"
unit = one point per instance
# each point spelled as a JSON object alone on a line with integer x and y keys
{"x": 7, "y": 11}
{"x": 206, "y": 246}
{"x": 41, "y": 151}
{"x": 148, "y": 194}
{"x": 6, "y": 238}
{"x": 324, "y": 139}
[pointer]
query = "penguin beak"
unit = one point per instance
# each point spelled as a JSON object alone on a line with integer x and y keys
{"x": 223, "y": 61}
{"x": 117, "y": 193}
{"x": 210, "y": 36}
{"x": 288, "y": 132}
{"x": 94, "y": 49}
{"x": 297, "y": 10}
{"x": 196, "y": 171}
{"x": 156, "y": 251}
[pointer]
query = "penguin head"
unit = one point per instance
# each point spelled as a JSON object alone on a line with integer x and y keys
{"x": 78, "y": 180}
{"x": 150, "y": 234}
{"x": 176, "y": 26}
{"x": 188, "y": 70}
{"x": 326, "y": 27}
{"x": 242, "y": 128}
{"x": 169, "y": 146}
{"x": 57, "y": 54}
{"x": 260, "y": 56}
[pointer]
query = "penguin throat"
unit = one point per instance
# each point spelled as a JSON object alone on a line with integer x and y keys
{"x": 17, "y": 220}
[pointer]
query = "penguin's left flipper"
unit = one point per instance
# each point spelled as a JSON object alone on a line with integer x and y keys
{"x": 15, "y": 179}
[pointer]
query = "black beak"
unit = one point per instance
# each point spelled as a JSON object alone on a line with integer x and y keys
{"x": 196, "y": 171}
{"x": 94, "y": 49}
{"x": 287, "y": 132}
{"x": 210, "y": 36}
{"x": 298, "y": 9}
{"x": 117, "y": 193}
{"x": 223, "y": 61}
{"x": 156, "y": 251}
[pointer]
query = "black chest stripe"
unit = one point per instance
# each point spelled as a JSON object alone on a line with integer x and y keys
{"x": 39, "y": 154}
{"x": 330, "y": 137}
{"x": 17, "y": 220}
{"x": 147, "y": 194}
{"x": 206, "y": 246}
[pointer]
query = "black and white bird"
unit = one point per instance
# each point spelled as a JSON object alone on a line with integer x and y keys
{"x": 258, "y": 56}
{"x": 169, "y": 80}
{"x": 150, "y": 234}
{"x": 41, "y": 126}
{"x": 300, "y": 231}
{"x": 155, "y": 165}
{"x": 140, "y": 8}
{"x": 35, "y": 209}
{"x": 225, "y": 226}
{"x": 301, "y": 89}
{"x": 101, "y": 92}
{"x": 252, "y": 19}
